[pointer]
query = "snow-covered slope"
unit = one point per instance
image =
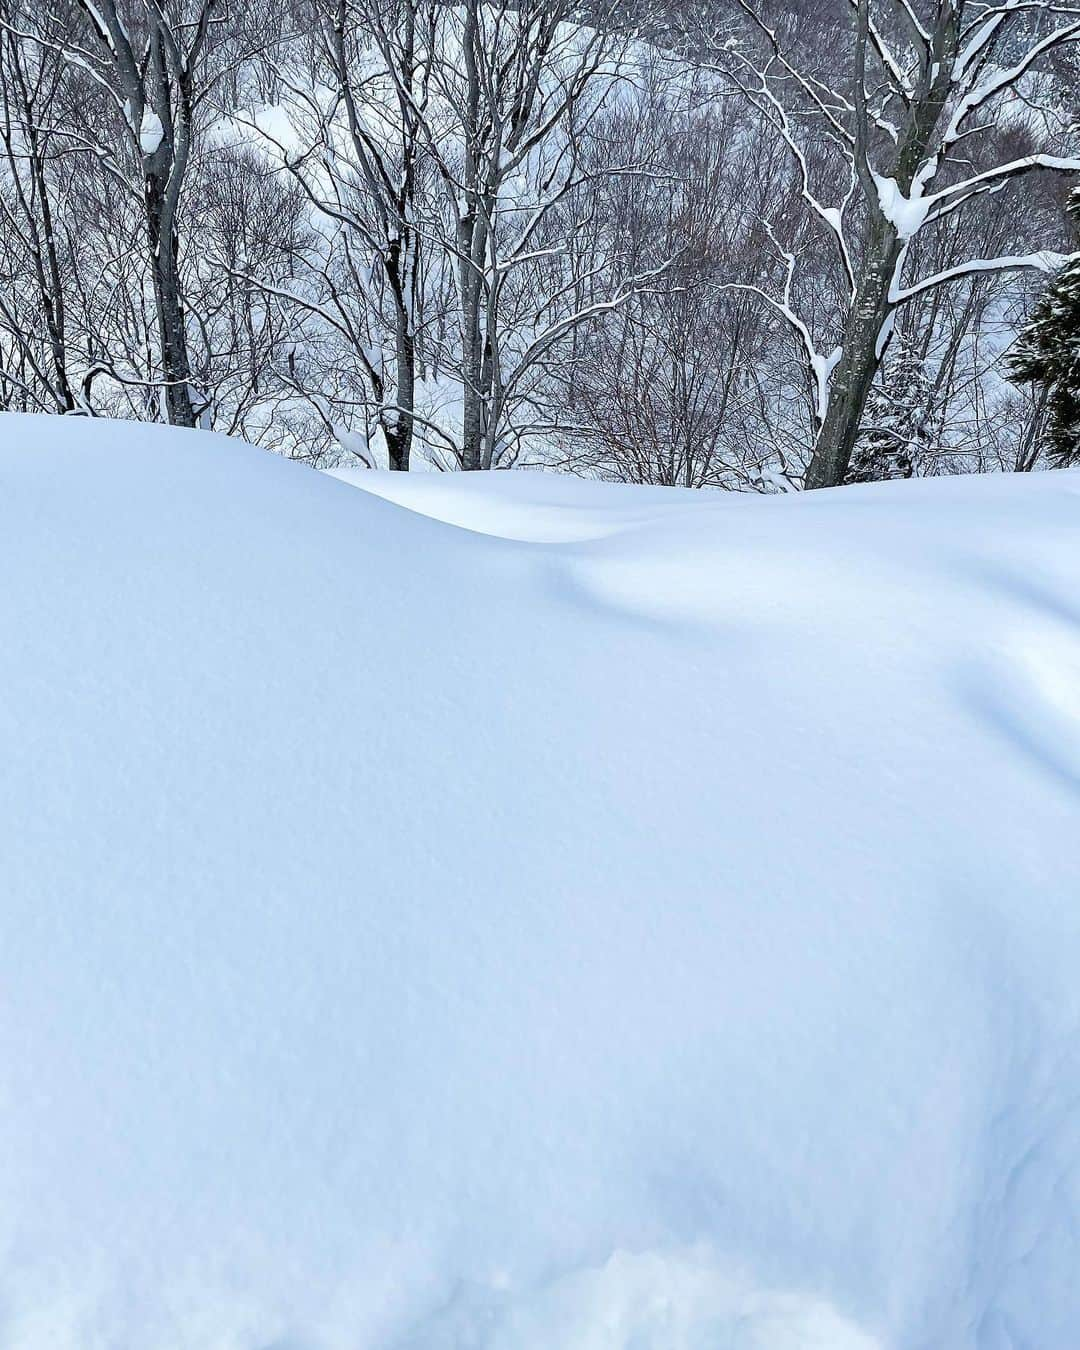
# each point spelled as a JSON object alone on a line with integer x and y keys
{"x": 551, "y": 916}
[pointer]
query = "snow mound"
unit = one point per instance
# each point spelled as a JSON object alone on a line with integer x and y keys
{"x": 509, "y": 913}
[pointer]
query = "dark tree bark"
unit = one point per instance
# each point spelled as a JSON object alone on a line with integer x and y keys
{"x": 157, "y": 79}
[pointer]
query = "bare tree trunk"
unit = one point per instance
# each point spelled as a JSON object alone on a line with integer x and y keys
{"x": 872, "y": 314}
{"x": 398, "y": 434}
{"x": 866, "y": 335}
{"x": 157, "y": 78}
{"x": 472, "y": 252}
{"x": 172, "y": 328}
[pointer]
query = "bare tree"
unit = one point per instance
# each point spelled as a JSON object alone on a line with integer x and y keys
{"x": 148, "y": 64}
{"x": 664, "y": 389}
{"x": 518, "y": 84}
{"x": 486, "y": 233}
{"x": 910, "y": 139}
{"x": 32, "y": 298}
{"x": 358, "y": 166}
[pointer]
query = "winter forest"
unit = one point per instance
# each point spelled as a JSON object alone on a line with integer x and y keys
{"x": 620, "y": 897}
{"x": 744, "y": 244}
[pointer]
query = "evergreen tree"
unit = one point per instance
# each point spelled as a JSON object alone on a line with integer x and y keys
{"x": 895, "y": 421}
{"x": 1048, "y": 353}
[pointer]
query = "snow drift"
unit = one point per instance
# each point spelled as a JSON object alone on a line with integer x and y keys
{"x": 512, "y": 913}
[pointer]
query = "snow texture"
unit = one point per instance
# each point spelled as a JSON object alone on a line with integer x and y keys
{"x": 151, "y": 132}
{"x": 504, "y": 912}
{"x": 906, "y": 214}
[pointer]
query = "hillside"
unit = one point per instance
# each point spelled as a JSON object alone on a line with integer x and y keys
{"x": 506, "y": 912}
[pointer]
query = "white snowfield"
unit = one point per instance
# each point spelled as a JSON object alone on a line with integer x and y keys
{"x": 510, "y": 913}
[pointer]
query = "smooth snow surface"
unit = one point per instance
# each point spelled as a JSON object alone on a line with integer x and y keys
{"x": 554, "y": 917}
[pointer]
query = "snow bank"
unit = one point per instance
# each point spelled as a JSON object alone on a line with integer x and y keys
{"x": 654, "y": 931}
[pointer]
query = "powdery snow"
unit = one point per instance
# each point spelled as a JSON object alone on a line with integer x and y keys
{"x": 906, "y": 214}
{"x": 512, "y": 913}
{"x": 150, "y": 132}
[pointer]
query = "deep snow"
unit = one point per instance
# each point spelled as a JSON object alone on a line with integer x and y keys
{"x": 555, "y": 915}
